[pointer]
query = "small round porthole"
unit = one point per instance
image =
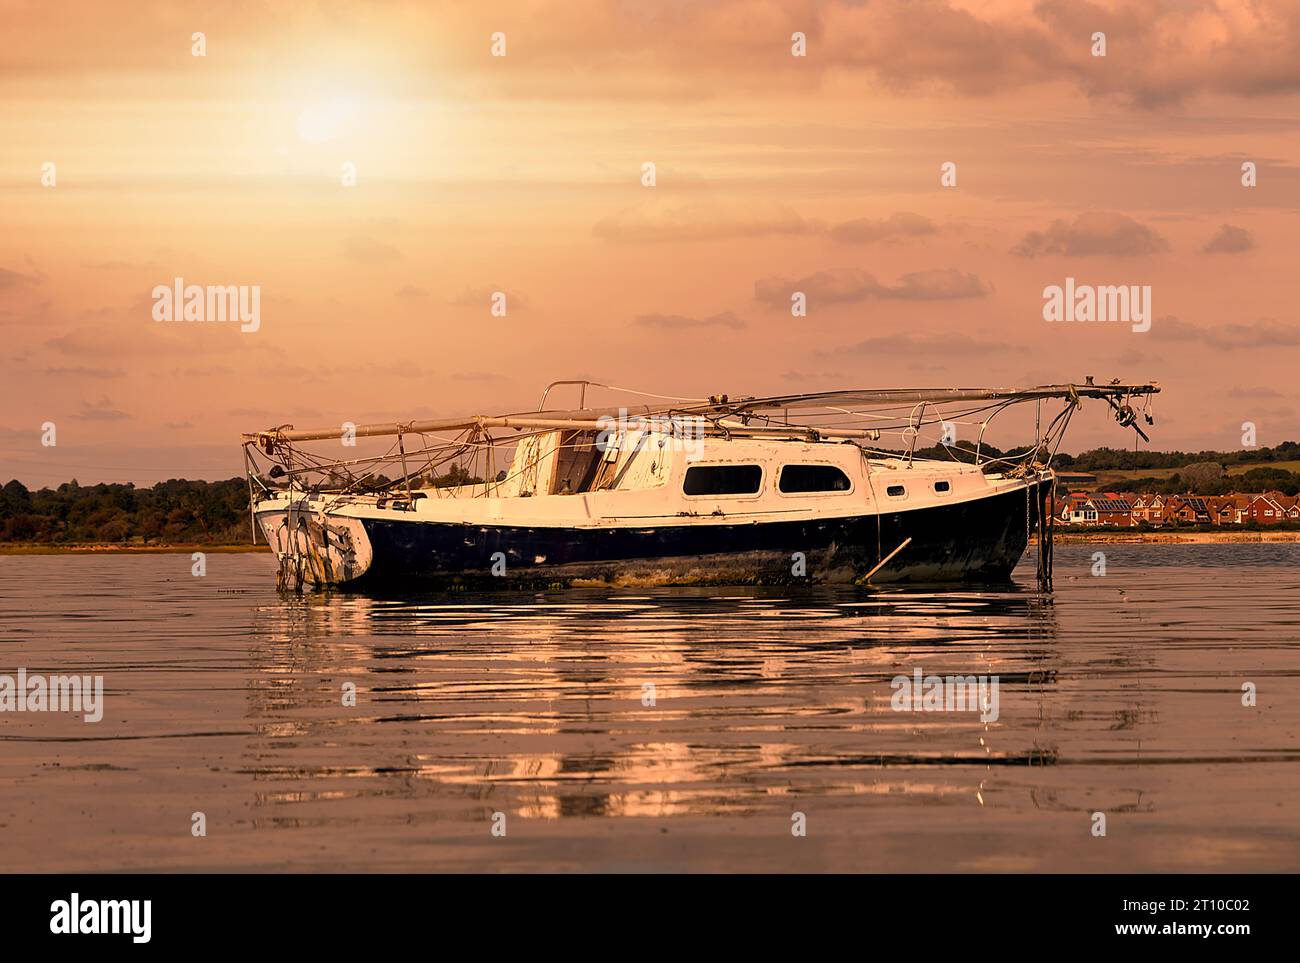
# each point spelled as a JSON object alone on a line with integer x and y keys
{"x": 942, "y": 486}
{"x": 895, "y": 491}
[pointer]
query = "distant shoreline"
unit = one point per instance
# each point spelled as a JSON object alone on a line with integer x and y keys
{"x": 109, "y": 549}
{"x": 1119, "y": 536}
{"x": 1109, "y": 537}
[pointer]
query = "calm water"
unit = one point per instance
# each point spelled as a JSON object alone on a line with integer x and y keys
{"x": 1119, "y": 694}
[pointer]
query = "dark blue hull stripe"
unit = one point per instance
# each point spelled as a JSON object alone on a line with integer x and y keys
{"x": 977, "y": 540}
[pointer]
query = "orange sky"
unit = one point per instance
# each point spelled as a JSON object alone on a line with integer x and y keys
{"x": 522, "y": 174}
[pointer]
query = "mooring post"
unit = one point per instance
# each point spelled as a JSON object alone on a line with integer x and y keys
{"x": 1051, "y": 530}
{"x": 1038, "y": 506}
{"x": 1046, "y": 525}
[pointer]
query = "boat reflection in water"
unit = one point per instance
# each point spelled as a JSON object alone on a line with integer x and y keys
{"x": 685, "y": 728}
{"x": 676, "y": 702}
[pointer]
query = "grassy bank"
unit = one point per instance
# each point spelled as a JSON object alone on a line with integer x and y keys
{"x": 1113, "y": 536}
{"x": 20, "y": 548}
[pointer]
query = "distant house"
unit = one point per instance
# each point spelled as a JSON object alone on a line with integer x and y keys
{"x": 1076, "y": 510}
{"x": 1288, "y": 504}
{"x": 1111, "y": 509}
{"x": 1228, "y": 509}
{"x": 1149, "y": 509}
{"x": 1123, "y": 509}
{"x": 1189, "y": 510}
{"x": 1265, "y": 509}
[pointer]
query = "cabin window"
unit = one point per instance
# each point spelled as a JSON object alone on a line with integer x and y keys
{"x": 798, "y": 479}
{"x": 895, "y": 491}
{"x": 723, "y": 480}
{"x": 942, "y": 486}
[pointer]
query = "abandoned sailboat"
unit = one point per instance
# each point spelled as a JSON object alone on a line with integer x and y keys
{"x": 678, "y": 491}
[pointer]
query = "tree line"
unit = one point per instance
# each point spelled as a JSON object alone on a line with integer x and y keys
{"x": 175, "y": 512}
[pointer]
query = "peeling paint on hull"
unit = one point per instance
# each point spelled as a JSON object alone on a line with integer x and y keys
{"x": 979, "y": 540}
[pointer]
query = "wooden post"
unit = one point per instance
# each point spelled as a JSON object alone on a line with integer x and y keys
{"x": 1051, "y": 531}
{"x": 1046, "y": 526}
{"x": 881, "y": 564}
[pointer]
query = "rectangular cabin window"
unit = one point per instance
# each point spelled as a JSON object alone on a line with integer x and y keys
{"x": 942, "y": 486}
{"x": 722, "y": 480}
{"x": 797, "y": 479}
{"x": 895, "y": 491}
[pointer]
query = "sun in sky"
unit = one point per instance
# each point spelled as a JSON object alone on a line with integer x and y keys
{"x": 327, "y": 120}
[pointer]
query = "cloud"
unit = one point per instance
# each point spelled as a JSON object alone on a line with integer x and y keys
{"x": 864, "y": 230}
{"x": 12, "y": 280}
{"x": 86, "y": 372}
{"x": 483, "y": 298}
{"x": 118, "y": 265}
{"x": 1093, "y": 234}
{"x": 1259, "y": 392}
{"x": 202, "y": 371}
{"x": 936, "y": 285}
{"x": 1171, "y": 328}
{"x": 476, "y": 376}
{"x": 836, "y": 286}
{"x": 1229, "y": 240}
{"x": 102, "y": 410}
{"x": 726, "y": 319}
{"x": 803, "y": 377}
{"x": 1160, "y": 51}
{"x": 1232, "y": 336}
{"x": 1284, "y": 413}
{"x": 849, "y": 285}
{"x": 395, "y": 369}
{"x": 153, "y": 340}
{"x": 656, "y": 221}
{"x": 367, "y": 250}
{"x": 411, "y": 291}
{"x": 42, "y": 314}
{"x": 1133, "y": 357}
{"x": 1212, "y": 46}
{"x": 962, "y": 345}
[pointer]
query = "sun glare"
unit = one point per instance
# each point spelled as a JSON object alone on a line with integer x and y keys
{"x": 327, "y": 120}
